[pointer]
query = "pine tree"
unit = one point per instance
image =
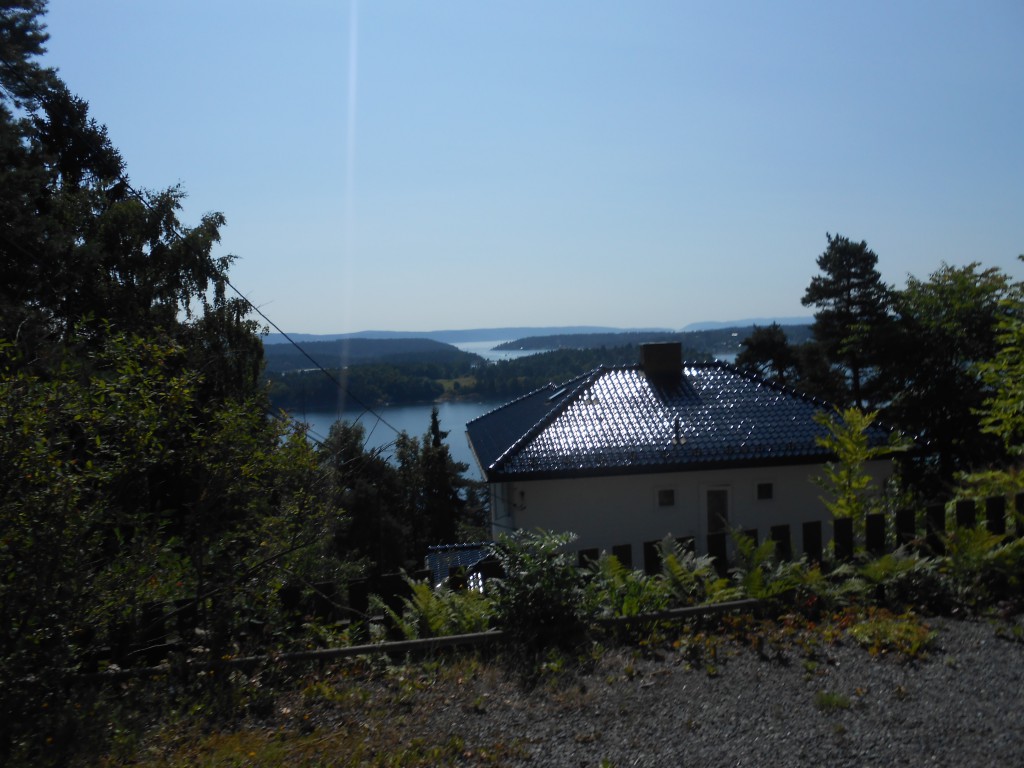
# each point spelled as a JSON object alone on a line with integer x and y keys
{"x": 853, "y": 314}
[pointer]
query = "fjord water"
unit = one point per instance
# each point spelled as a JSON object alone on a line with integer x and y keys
{"x": 413, "y": 419}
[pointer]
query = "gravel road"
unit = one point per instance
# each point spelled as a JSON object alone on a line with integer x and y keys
{"x": 962, "y": 705}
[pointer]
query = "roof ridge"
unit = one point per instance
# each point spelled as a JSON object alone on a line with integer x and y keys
{"x": 549, "y": 385}
{"x": 553, "y": 413}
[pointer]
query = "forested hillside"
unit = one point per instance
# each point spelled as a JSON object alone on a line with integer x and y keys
{"x": 342, "y": 352}
{"x": 716, "y": 342}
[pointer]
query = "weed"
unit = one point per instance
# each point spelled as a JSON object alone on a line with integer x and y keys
{"x": 829, "y": 702}
{"x": 881, "y": 631}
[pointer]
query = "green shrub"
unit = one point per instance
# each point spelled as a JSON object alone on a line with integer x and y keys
{"x": 540, "y": 600}
{"x": 905, "y": 578}
{"x": 757, "y": 573}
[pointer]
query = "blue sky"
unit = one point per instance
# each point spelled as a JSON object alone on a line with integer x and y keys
{"x": 454, "y": 164}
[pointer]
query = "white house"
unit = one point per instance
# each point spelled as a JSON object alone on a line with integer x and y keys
{"x": 625, "y": 456}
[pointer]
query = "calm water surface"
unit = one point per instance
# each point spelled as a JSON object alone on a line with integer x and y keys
{"x": 413, "y": 419}
{"x": 486, "y": 350}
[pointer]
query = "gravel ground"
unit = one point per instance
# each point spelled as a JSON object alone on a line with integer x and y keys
{"x": 962, "y": 705}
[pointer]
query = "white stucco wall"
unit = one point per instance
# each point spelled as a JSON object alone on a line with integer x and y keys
{"x": 613, "y": 511}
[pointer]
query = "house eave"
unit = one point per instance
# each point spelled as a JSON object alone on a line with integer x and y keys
{"x": 570, "y": 473}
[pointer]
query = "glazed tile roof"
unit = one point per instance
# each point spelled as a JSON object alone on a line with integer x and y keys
{"x": 620, "y": 421}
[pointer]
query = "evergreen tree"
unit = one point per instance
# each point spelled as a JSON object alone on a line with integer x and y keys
{"x": 83, "y": 254}
{"x": 853, "y": 315}
{"x": 768, "y": 352}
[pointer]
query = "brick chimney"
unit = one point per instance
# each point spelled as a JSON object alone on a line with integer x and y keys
{"x": 662, "y": 360}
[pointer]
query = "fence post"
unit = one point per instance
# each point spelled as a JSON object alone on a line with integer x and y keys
{"x": 717, "y": 549}
{"x": 812, "y": 540}
{"x": 935, "y": 528}
{"x": 906, "y": 526}
{"x": 842, "y": 537}
{"x": 783, "y": 544}
{"x": 995, "y": 514}
{"x": 652, "y": 560}
{"x": 624, "y": 554}
{"x": 966, "y": 515}
{"x": 874, "y": 533}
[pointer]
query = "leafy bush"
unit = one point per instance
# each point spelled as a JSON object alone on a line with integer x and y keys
{"x": 126, "y": 498}
{"x": 540, "y": 601}
{"x": 758, "y": 574}
{"x": 904, "y": 578}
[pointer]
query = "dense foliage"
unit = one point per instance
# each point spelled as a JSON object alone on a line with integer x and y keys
{"x": 397, "y": 509}
{"x": 922, "y": 356}
{"x": 424, "y": 356}
{"x": 356, "y": 387}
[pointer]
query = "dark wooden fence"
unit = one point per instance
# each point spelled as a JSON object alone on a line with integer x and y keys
{"x": 926, "y": 531}
{"x": 923, "y": 530}
{"x": 161, "y": 628}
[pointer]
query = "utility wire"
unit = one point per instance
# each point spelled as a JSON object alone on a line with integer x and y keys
{"x": 177, "y": 236}
{"x": 122, "y": 179}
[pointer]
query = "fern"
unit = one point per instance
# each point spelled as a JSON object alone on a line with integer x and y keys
{"x": 688, "y": 578}
{"x": 757, "y": 574}
{"x": 615, "y": 590}
{"x": 439, "y": 611}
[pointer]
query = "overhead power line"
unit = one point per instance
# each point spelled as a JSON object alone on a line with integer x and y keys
{"x": 124, "y": 183}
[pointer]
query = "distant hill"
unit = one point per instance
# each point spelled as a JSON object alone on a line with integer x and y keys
{"x": 712, "y": 325}
{"x": 400, "y": 347}
{"x": 338, "y": 353}
{"x": 453, "y": 336}
{"x": 723, "y": 342}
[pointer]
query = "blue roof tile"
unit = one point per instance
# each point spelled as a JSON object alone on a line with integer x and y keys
{"x": 619, "y": 421}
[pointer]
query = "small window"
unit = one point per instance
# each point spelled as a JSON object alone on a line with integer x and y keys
{"x": 765, "y": 491}
{"x": 666, "y": 497}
